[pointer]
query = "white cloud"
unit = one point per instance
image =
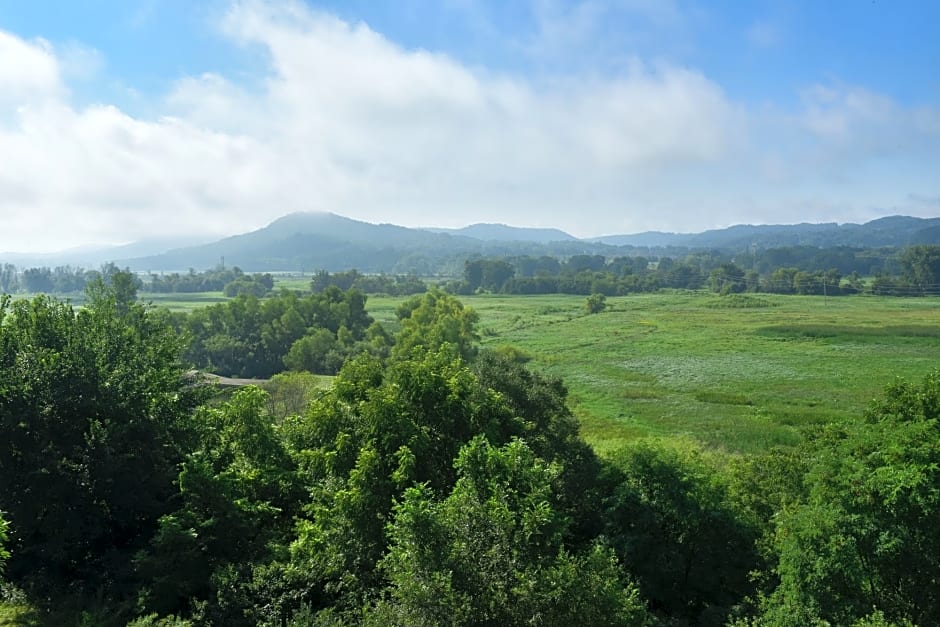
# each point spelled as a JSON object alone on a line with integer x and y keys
{"x": 80, "y": 62}
{"x": 29, "y": 71}
{"x": 345, "y": 120}
{"x": 851, "y": 124}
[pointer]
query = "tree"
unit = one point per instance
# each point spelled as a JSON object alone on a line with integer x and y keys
{"x": 37, "y": 280}
{"x": 238, "y": 494}
{"x": 433, "y": 319}
{"x": 311, "y": 353}
{"x": 492, "y": 552}
{"x": 727, "y": 279}
{"x": 247, "y": 285}
{"x": 7, "y": 278}
{"x": 473, "y": 274}
{"x": 495, "y": 274}
{"x": 95, "y": 416}
{"x": 580, "y": 263}
{"x": 672, "y": 522}
{"x": 782, "y": 281}
{"x": 864, "y": 538}
{"x": 291, "y": 392}
{"x": 921, "y": 266}
{"x": 248, "y": 337}
{"x": 487, "y": 274}
{"x": 595, "y": 303}
{"x": 551, "y": 431}
{"x": 752, "y": 281}
{"x": 854, "y": 284}
{"x": 375, "y": 433}
{"x": 381, "y": 430}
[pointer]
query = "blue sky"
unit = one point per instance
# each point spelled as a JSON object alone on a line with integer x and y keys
{"x": 123, "y": 120}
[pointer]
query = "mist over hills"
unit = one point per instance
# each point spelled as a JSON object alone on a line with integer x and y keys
{"x": 94, "y": 256}
{"x": 314, "y": 241}
{"x": 505, "y": 233}
{"x": 887, "y": 231}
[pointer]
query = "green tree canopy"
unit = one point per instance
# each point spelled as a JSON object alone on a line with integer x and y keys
{"x": 492, "y": 552}
{"x": 433, "y": 319}
{"x": 95, "y": 416}
{"x": 921, "y": 265}
{"x": 865, "y": 536}
{"x": 595, "y": 303}
{"x": 238, "y": 494}
{"x": 673, "y": 522}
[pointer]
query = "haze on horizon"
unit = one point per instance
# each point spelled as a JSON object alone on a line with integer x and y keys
{"x": 122, "y": 121}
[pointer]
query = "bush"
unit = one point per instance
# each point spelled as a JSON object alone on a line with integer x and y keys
{"x": 595, "y": 303}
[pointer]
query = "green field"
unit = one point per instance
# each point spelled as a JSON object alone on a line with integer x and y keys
{"x": 740, "y": 373}
{"x": 183, "y": 301}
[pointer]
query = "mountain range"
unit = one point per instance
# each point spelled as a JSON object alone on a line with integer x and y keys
{"x": 889, "y": 231}
{"x": 312, "y": 241}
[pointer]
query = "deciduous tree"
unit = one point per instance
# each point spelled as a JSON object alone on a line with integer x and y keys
{"x": 95, "y": 416}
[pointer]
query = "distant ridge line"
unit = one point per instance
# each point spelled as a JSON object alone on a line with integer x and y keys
{"x": 306, "y": 242}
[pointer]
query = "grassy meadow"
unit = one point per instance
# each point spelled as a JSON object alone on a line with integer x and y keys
{"x": 740, "y": 373}
{"x": 183, "y": 301}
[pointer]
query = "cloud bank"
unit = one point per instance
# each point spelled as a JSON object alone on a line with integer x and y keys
{"x": 345, "y": 120}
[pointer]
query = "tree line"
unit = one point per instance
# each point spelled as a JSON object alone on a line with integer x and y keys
{"x": 231, "y": 281}
{"x": 58, "y": 280}
{"x": 911, "y": 271}
{"x": 74, "y": 280}
{"x": 435, "y": 483}
{"x": 393, "y": 285}
{"x": 915, "y": 271}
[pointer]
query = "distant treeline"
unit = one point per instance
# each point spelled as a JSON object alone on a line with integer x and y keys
{"x": 370, "y": 284}
{"x": 233, "y": 281}
{"x": 914, "y": 271}
{"x": 58, "y": 280}
{"x": 911, "y": 271}
{"x": 74, "y": 280}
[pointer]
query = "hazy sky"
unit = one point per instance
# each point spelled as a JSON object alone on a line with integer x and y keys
{"x": 124, "y": 119}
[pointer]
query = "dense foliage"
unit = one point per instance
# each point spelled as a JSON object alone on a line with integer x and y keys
{"x": 863, "y": 536}
{"x": 248, "y": 337}
{"x": 434, "y": 483}
{"x": 95, "y": 416}
{"x": 230, "y": 280}
{"x": 395, "y": 285}
{"x": 57, "y": 280}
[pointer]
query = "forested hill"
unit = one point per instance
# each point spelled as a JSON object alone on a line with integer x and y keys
{"x": 305, "y": 241}
{"x": 889, "y": 231}
{"x": 314, "y": 241}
